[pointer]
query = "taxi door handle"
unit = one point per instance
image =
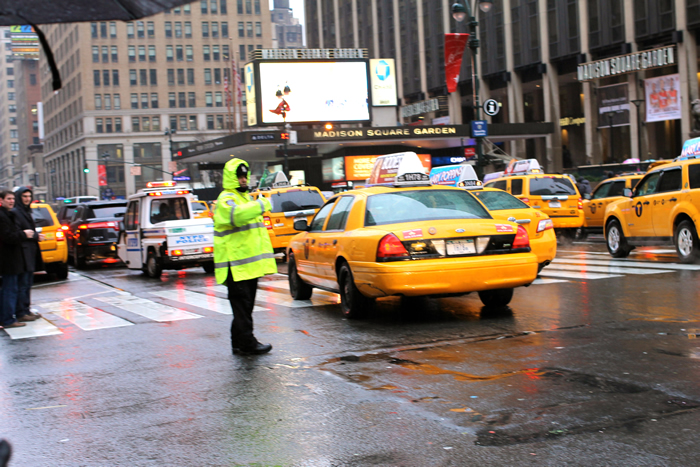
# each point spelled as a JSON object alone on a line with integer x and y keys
{"x": 673, "y": 199}
{"x": 646, "y": 202}
{"x": 335, "y": 241}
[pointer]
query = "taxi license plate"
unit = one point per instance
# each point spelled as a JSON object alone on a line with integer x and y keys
{"x": 460, "y": 247}
{"x": 554, "y": 204}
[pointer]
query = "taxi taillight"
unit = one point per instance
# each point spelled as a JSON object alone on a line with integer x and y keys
{"x": 65, "y": 227}
{"x": 267, "y": 222}
{"x": 60, "y": 236}
{"x": 580, "y": 203}
{"x": 522, "y": 240}
{"x": 390, "y": 247}
{"x": 545, "y": 224}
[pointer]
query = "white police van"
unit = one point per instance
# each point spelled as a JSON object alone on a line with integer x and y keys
{"x": 161, "y": 231}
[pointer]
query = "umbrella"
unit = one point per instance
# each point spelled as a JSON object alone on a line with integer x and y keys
{"x": 33, "y": 12}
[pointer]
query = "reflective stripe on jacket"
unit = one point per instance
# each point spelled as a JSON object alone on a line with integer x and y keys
{"x": 241, "y": 241}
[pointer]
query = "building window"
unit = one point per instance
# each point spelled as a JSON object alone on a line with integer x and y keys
{"x": 219, "y": 122}
{"x": 133, "y": 79}
{"x": 203, "y": 6}
{"x": 248, "y": 7}
{"x": 144, "y": 100}
{"x": 205, "y": 29}
{"x": 241, "y": 29}
{"x": 117, "y": 102}
{"x": 108, "y": 102}
{"x": 140, "y": 29}
{"x": 257, "y": 7}
{"x": 210, "y": 122}
{"x": 132, "y": 53}
{"x": 208, "y": 99}
{"x": 215, "y": 52}
{"x": 176, "y": 10}
{"x": 187, "y": 9}
{"x": 188, "y": 29}
{"x": 135, "y": 124}
{"x": 178, "y": 29}
{"x": 118, "y": 125}
{"x": 115, "y": 54}
{"x": 115, "y": 77}
{"x": 10, "y": 71}
{"x": 241, "y": 52}
{"x": 13, "y": 120}
{"x": 14, "y": 146}
{"x": 151, "y": 53}
{"x": 142, "y": 53}
{"x": 95, "y": 54}
{"x": 172, "y": 102}
{"x": 173, "y": 122}
{"x": 217, "y": 75}
{"x": 189, "y": 53}
{"x": 130, "y": 30}
{"x": 154, "y": 100}
{"x": 171, "y": 76}
{"x": 113, "y": 30}
{"x": 145, "y": 124}
{"x": 168, "y": 29}
{"x": 156, "y": 124}
{"x": 151, "y": 29}
{"x": 105, "y": 54}
{"x": 258, "y": 29}
{"x": 103, "y": 30}
{"x": 193, "y": 122}
{"x": 98, "y": 102}
{"x": 93, "y": 30}
{"x": 213, "y": 7}
{"x": 207, "y": 76}
{"x": 207, "y": 53}
{"x": 105, "y": 77}
{"x": 153, "y": 75}
{"x": 224, "y": 29}
{"x": 249, "y": 29}
{"x": 13, "y": 134}
{"x": 11, "y": 82}
{"x": 178, "y": 53}
{"x": 222, "y": 7}
{"x": 143, "y": 77}
{"x": 180, "y": 76}
{"x": 239, "y": 6}
{"x": 169, "y": 53}
{"x": 99, "y": 126}
{"x": 181, "y": 100}
{"x": 134, "y": 101}
{"x": 214, "y": 29}
{"x": 108, "y": 125}
{"x": 191, "y": 100}
{"x": 219, "y": 99}
{"x": 96, "y": 77}
{"x": 190, "y": 76}
{"x": 224, "y": 49}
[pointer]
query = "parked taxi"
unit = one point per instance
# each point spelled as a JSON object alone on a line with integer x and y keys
{"x": 553, "y": 194}
{"x": 288, "y": 203}
{"x": 402, "y": 236}
{"x": 609, "y": 190}
{"x": 503, "y": 205}
{"x": 664, "y": 208}
{"x": 54, "y": 250}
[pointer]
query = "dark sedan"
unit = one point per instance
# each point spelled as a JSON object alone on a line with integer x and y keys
{"x": 93, "y": 231}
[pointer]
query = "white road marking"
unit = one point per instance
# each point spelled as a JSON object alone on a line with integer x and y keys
{"x": 201, "y": 300}
{"x": 318, "y": 298}
{"x": 285, "y": 286}
{"x": 546, "y": 280}
{"x": 548, "y": 272}
{"x": 148, "y": 308}
{"x": 559, "y": 265}
{"x": 85, "y": 317}
{"x": 597, "y": 261}
{"x": 38, "y": 328}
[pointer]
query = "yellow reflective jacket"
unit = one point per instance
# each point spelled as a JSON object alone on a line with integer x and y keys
{"x": 241, "y": 242}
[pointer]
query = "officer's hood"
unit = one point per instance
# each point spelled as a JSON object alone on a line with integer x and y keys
{"x": 230, "y": 177}
{"x": 18, "y": 197}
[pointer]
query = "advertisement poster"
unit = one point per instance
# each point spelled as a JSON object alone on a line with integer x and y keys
{"x": 663, "y": 98}
{"x": 383, "y": 80}
{"x": 333, "y": 169}
{"x": 250, "y": 94}
{"x": 613, "y": 106}
{"x": 360, "y": 167}
{"x": 102, "y": 175}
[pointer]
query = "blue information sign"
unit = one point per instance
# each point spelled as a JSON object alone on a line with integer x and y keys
{"x": 479, "y": 128}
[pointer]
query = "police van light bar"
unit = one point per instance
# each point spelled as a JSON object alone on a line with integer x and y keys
{"x": 161, "y": 184}
{"x": 400, "y": 169}
{"x": 169, "y": 192}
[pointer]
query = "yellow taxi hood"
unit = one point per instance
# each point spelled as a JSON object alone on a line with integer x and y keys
{"x": 448, "y": 228}
{"x": 230, "y": 181}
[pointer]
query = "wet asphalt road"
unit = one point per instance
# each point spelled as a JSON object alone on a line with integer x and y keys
{"x": 589, "y": 370}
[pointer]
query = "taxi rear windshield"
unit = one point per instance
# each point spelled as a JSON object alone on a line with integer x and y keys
{"x": 551, "y": 186}
{"x": 42, "y": 217}
{"x": 497, "y": 200}
{"x": 198, "y": 206}
{"x": 411, "y": 206}
{"x": 296, "y": 200}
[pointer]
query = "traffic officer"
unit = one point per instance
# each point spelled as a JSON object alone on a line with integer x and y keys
{"x": 242, "y": 252}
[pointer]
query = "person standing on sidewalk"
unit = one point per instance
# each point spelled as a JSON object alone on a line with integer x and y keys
{"x": 31, "y": 250}
{"x": 12, "y": 264}
{"x": 242, "y": 252}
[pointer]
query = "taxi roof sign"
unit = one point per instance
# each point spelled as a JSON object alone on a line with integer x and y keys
{"x": 274, "y": 180}
{"x": 468, "y": 178}
{"x": 462, "y": 175}
{"x": 399, "y": 169}
{"x": 691, "y": 150}
{"x": 523, "y": 167}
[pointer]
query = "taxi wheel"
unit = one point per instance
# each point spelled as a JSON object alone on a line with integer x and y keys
{"x": 352, "y": 302}
{"x": 497, "y": 298}
{"x": 61, "y": 271}
{"x": 153, "y": 267}
{"x": 299, "y": 289}
{"x": 78, "y": 261}
{"x": 616, "y": 241}
{"x": 686, "y": 240}
{"x": 208, "y": 267}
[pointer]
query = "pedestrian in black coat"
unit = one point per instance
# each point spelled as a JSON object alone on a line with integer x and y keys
{"x": 12, "y": 263}
{"x": 31, "y": 250}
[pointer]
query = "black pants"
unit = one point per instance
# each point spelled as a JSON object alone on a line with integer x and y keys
{"x": 241, "y": 295}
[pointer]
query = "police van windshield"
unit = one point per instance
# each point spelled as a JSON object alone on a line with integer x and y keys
{"x": 169, "y": 209}
{"x": 551, "y": 186}
{"x": 296, "y": 200}
{"x": 410, "y": 206}
{"x": 497, "y": 200}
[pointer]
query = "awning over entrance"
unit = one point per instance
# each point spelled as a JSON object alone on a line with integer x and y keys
{"x": 260, "y": 145}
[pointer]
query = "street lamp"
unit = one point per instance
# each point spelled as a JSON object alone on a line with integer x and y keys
{"x": 169, "y": 132}
{"x": 460, "y": 13}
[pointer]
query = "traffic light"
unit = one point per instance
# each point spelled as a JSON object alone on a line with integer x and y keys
{"x": 86, "y": 169}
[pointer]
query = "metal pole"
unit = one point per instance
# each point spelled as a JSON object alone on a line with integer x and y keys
{"x": 637, "y": 103}
{"x": 610, "y": 136}
{"x": 473, "y": 46}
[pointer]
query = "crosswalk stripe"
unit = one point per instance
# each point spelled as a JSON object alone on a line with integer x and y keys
{"x": 318, "y": 298}
{"x": 39, "y": 328}
{"x": 605, "y": 269}
{"x": 201, "y": 300}
{"x": 546, "y": 272}
{"x": 597, "y": 261}
{"x": 85, "y": 317}
{"x": 148, "y": 308}
{"x": 546, "y": 280}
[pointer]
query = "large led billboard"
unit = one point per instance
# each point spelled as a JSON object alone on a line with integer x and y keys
{"x": 297, "y": 92}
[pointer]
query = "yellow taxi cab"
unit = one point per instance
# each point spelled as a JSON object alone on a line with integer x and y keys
{"x": 288, "y": 203}
{"x": 664, "y": 208}
{"x": 54, "y": 250}
{"x": 402, "y": 236}
{"x": 553, "y": 194}
{"x": 606, "y": 192}
{"x": 200, "y": 209}
{"x": 503, "y": 205}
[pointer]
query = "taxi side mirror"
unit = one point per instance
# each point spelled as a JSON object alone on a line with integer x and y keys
{"x": 587, "y": 196}
{"x": 301, "y": 225}
{"x": 627, "y": 192}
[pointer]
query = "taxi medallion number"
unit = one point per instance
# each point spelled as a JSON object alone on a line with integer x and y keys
{"x": 460, "y": 247}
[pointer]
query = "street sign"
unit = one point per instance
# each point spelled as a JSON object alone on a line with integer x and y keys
{"x": 479, "y": 128}
{"x": 491, "y": 107}
{"x": 135, "y": 170}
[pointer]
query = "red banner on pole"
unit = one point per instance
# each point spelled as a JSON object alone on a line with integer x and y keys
{"x": 102, "y": 175}
{"x": 454, "y": 50}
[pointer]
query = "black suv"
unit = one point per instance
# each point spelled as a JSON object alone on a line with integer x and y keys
{"x": 93, "y": 230}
